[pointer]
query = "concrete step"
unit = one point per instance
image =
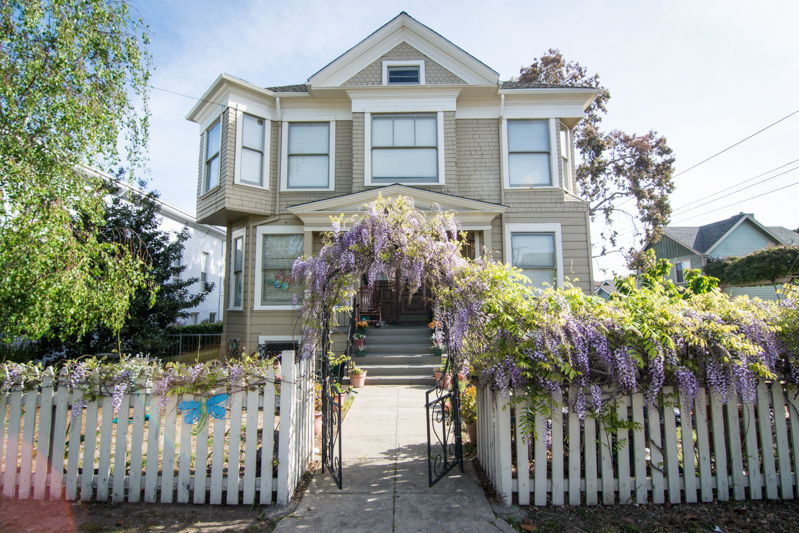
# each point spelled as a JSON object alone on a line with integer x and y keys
{"x": 400, "y": 349}
{"x": 394, "y": 370}
{"x": 398, "y": 360}
{"x": 388, "y": 331}
{"x": 397, "y": 339}
{"x": 397, "y": 380}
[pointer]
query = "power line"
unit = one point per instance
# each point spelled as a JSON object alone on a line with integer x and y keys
{"x": 187, "y": 96}
{"x": 737, "y": 184}
{"x": 741, "y": 201}
{"x": 736, "y": 144}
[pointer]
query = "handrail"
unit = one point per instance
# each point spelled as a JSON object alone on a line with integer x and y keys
{"x": 351, "y": 332}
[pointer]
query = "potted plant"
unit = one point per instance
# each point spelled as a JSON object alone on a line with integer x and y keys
{"x": 446, "y": 382}
{"x": 357, "y": 376}
{"x": 360, "y": 326}
{"x": 359, "y": 338}
{"x": 437, "y": 337}
{"x": 469, "y": 412}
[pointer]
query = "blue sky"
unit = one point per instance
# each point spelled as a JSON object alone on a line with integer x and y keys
{"x": 704, "y": 74}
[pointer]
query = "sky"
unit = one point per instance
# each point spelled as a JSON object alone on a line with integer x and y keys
{"x": 703, "y": 74}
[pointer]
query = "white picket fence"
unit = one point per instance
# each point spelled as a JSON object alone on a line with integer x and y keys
{"x": 721, "y": 451}
{"x": 143, "y": 452}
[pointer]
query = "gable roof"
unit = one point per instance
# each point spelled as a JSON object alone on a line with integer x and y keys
{"x": 405, "y": 28}
{"x": 702, "y": 239}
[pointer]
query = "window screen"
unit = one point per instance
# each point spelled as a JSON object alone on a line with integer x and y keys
{"x": 252, "y": 150}
{"x": 309, "y": 156}
{"x": 279, "y": 253}
{"x": 403, "y": 75}
{"x": 405, "y": 147}
{"x": 534, "y": 254}
{"x": 212, "y": 157}
{"x": 680, "y": 269}
{"x": 528, "y": 153}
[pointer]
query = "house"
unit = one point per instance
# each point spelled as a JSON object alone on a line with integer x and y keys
{"x": 403, "y": 112}
{"x": 203, "y": 255}
{"x": 604, "y": 288}
{"x": 739, "y": 235}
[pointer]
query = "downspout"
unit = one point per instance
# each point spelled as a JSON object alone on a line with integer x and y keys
{"x": 502, "y": 171}
{"x": 279, "y": 156}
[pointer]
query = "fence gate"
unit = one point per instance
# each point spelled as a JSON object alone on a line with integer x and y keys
{"x": 444, "y": 445}
{"x": 331, "y": 411}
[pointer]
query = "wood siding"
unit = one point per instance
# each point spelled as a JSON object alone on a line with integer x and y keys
{"x": 435, "y": 74}
{"x": 743, "y": 240}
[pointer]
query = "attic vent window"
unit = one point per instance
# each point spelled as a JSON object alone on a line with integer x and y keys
{"x": 403, "y": 75}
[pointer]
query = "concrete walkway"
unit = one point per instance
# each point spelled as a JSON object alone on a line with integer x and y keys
{"x": 385, "y": 476}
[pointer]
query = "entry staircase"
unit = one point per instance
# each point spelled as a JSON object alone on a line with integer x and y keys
{"x": 398, "y": 355}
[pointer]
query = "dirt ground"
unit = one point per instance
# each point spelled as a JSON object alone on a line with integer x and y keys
{"x": 18, "y": 516}
{"x": 721, "y": 517}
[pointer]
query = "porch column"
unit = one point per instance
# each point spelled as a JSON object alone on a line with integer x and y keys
{"x": 487, "y": 240}
{"x": 308, "y": 242}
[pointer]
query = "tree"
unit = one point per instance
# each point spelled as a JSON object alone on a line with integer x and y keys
{"x": 144, "y": 329}
{"x": 615, "y": 166}
{"x": 73, "y": 83}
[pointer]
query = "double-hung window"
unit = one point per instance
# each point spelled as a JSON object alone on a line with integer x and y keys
{"x": 212, "y": 148}
{"x": 308, "y": 155}
{"x": 237, "y": 270}
{"x": 565, "y": 159}
{"x": 529, "y": 153}
{"x": 404, "y": 148}
{"x": 536, "y": 250}
{"x": 252, "y": 150}
{"x": 679, "y": 270}
{"x": 277, "y": 249}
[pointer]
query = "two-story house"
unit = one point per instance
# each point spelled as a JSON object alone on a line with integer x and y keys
{"x": 403, "y": 112}
{"x": 690, "y": 247}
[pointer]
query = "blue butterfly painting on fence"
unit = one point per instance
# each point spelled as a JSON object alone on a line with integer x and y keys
{"x": 200, "y": 411}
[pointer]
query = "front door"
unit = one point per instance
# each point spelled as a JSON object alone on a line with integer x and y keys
{"x": 395, "y": 307}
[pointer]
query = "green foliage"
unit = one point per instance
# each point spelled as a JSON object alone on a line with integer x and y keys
{"x": 766, "y": 265}
{"x": 74, "y": 73}
{"x": 615, "y": 166}
{"x": 194, "y": 329}
{"x": 145, "y": 329}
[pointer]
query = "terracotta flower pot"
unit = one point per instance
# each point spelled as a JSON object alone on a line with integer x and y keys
{"x": 342, "y": 399}
{"x": 359, "y": 342}
{"x": 358, "y": 380}
{"x": 471, "y": 429}
{"x": 317, "y": 424}
{"x": 447, "y": 382}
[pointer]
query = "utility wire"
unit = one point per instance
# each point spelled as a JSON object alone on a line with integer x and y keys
{"x": 187, "y": 96}
{"x": 736, "y": 144}
{"x": 741, "y": 201}
{"x": 736, "y": 185}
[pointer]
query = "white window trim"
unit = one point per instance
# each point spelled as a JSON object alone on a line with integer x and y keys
{"x": 367, "y": 154}
{"x": 690, "y": 266}
{"x": 232, "y": 294}
{"x": 553, "y": 227}
{"x": 410, "y": 63}
{"x": 260, "y": 231}
{"x": 213, "y": 123}
{"x": 554, "y": 141}
{"x": 266, "y": 150}
{"x": 566, "y": 159}
{"x": 284, "y": 156}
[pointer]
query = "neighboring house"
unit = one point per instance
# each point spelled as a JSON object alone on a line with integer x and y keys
{"x": 404, "y": 112}
{"x": 605, "y": 288}
{"x": 203, "y": 256}
{"x": 690, "y": 247}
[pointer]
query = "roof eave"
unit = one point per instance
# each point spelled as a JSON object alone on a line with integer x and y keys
{"x": 224, "y": 79}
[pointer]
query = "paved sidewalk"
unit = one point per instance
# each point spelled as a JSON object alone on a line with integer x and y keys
{"x": 385, "y": 476}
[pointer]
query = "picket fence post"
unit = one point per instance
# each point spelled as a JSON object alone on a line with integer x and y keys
{"x": 287, "y": 393}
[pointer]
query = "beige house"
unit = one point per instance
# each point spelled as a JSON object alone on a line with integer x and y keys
{"x": 405, "y": 111}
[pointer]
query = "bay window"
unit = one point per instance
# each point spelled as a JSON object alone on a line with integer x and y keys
{"x": 212, "y": 150}
{"x": 252, "y": 149}
{"x": 308, "y": 156}
{"x": 528, "y": 153}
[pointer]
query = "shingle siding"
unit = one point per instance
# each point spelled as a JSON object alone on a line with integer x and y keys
{"x": 478, "y": 165}
{"x": 435, "y": 74}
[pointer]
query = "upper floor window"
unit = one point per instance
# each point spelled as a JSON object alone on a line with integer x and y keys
{"x": 405, "y": 148}
{"x": 212, "y": 149}
{"x": 565, "y": 159}
{"x": 528, "y": 153}
{"x": 403, "y": 72}
{"x": 308, "y": 156}
{"x": 252, "y": 151}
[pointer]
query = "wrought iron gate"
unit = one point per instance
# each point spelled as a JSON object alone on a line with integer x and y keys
{"x": 444, "y": 444}
{"x": 331, "y": 411}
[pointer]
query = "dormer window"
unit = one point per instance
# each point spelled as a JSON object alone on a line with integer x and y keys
{"x": 403, "y": 72}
